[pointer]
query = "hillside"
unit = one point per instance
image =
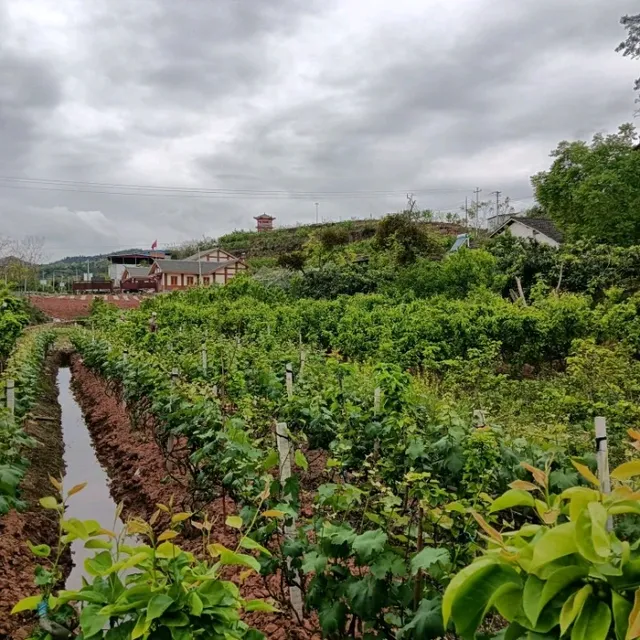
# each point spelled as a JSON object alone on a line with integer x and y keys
{"x": 272, "y": 244}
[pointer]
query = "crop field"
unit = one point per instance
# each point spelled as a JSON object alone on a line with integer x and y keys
{"x": 416, "y": 459}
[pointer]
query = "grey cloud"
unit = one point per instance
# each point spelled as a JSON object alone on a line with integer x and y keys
{"x": 294, "y": 96}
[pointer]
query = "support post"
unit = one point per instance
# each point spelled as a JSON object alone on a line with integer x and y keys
{"x": 125, "y": 359}
{"x": 602, "y": 453}
{"x": 11, "y": 396}
{"x": 303, "y": 360}
{"x": 285, "y": 453}
{"x": 289, "y": 376}
{"x": 204, "y": 359}
{"x": 377, "y": 394}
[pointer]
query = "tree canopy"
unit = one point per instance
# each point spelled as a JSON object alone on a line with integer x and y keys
{"x": 630, "y": 48}
{"x": 593, "y": 190}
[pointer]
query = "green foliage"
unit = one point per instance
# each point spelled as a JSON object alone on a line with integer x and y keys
{"x": 152, "y": 589}
{"x": 568, "y": 572}
{"x": 630, "y": 47}
{"x": 14, "y": 316}
{"x": 24, "y": 367}
{"x": 405, "y": 237}
{"x": 593, "y": 190}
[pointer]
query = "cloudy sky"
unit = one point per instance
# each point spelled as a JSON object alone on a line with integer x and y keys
{"x": 229, "y": 108}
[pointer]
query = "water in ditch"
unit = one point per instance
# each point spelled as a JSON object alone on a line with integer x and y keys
{"x": 94, "y": 502}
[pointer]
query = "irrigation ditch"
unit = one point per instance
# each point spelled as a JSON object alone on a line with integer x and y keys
{"x": 84, "y": 434}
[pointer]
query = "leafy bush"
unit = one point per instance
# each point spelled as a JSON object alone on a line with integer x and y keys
{"x": 569, "y": 572}
{"x": 147, "y": 590}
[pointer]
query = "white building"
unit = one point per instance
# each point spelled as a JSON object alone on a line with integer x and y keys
{"x": 540, "y": 230}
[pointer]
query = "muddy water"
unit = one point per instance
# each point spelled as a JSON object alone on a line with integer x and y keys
{"x": 94, "y": 502}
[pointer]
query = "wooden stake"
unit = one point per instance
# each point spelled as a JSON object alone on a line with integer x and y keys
{"x": 289, "y": 376}
{"x": 303, "y": 360}
{"x": 11, "y": 396}
{"x": 204, "y": 359}
{"x": 602, "y": 453}
{"x": 377, "y": 394}
{"x": 285, "y": 453}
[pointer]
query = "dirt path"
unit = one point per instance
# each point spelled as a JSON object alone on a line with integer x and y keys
{"x": 138, "y": 479}
{"x": 17, "y": 564}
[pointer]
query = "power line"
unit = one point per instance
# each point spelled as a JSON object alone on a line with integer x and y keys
{"x": 133, "y": 189}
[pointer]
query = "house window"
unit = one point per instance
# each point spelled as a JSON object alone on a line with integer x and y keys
{"x": 189, "y": 280}
{"x": 205, "y": 280}
{"x": 174, "y": 281}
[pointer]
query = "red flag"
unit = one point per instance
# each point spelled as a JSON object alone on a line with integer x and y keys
{"x": 154, "y": 245}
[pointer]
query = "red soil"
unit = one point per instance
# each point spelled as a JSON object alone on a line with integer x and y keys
{"x": 17, "y": 564}
{"x": 139, "y": 479}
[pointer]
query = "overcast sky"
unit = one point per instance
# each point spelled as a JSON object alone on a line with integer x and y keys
{"x": 278, "y": 103}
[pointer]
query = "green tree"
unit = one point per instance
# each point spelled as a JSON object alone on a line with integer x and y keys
{"x": 593, "y": 190}
{"x": 630, "y": 48}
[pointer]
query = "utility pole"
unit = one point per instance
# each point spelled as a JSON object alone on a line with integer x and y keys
{"x": 477, "y": 192}
{"x": 317, "y": 205}
{"x": 466, "y": 212}
{"x": 497, "y": 194}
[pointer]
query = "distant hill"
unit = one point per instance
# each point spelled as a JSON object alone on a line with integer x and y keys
{"x": 271, "y": 244}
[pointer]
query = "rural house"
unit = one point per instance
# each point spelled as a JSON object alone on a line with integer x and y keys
{"x": 182, "y": 274}
{"x": 541, "y": 230}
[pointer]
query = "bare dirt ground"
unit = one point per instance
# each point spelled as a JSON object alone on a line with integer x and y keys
{"x": 139, "y": 479}
{"x": 72, "y": 307}
{"x": 17, "y": 564}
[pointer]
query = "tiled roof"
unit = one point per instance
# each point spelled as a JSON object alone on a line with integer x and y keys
{"x": 192, "y": 267}
{"x": 206, "y": 252}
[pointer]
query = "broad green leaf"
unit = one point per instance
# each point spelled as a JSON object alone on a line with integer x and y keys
{"x": 427, "y": 621}
{"x": 49, "y": 502}
{"x": 471, "y": 591}
{"x": 141, "y": 628}
{"x": 626, "y": 470}
{"x": 556, "y": 582}
{"x": 300, "y": 460}
{"x": 555, "y": 543}
{"x": 40, "y": 551}
{"x": 158, "y": 605}
{"x": 586, "y": 473}
{"x": 593, "y": 623}
{"x": 590, "y": 531}
{"x": 427, "y": 558}
{"x": 27, "y": 604}
{"x": 633, "y": 630}
{"x": 271, "y": 460}
{"x": 369, "y": 543}
{"x": 314, "y": 562}
{"x": 621, "y": 608}
{"x": 512, "y": 498}
{"x": 599, "y": 535}
{"x": 258, "y": 605}
{"x": 91, "y": 622}
{"x": 232, "y": 558}
{"x": 573, "y": 606}
{"x": 531, "y": 596}
{"x": 508, "y": 601}
{"x": 97, "y": 544}
{"x": 195, "y": 604}
{"x": 249, "y": 543}
{"x": 99, "y": 565}
{"x": 234, "y": 522}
